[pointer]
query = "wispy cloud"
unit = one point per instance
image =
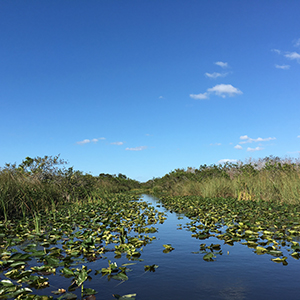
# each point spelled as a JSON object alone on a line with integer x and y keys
{"x": 224, "y": 90}
{"x": 215, "y": 75}
{"x": 221, "y": 90}
{"x": 161, "y": 97}
{"x": 283, "y": 67}
{"x": 293, "y": 152}
{"x": 246, "y": 139}
{"x": 298, "y": 136}
{"x": 83, "y": 142}
{"x": 292, "y": 56}
{"x": 276, "y": 51}
{"x": 239, "y": 147}
{"x": 86, "y": 141}
{"x": 137, "y": 148}
{"x": 225, "y": 160}
{"x": 215, "y": 144}
{"x": 254, "y": 149}
{"x": 296, "y": 43}
{"x": 199, "y": 96}
{"x": 117, "y": 143}
{"x": 221, "y": 64}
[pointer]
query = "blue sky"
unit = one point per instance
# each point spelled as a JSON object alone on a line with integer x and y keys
{"x": 144, "y": 87}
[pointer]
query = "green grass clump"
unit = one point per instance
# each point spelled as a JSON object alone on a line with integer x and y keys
{"x": 42, "y": 184}
{"x": 269, "y": 179}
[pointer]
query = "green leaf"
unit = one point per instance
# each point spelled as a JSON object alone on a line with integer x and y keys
{"x": 52, "y": 261}
{"x": 68, "y": 296}
{"x": 209, "y": 257}
{"x": 18, "y": 264}
{"x": 89, "y": 291}
{"x": 6, "y": 282}
{"x": 125, "y": 297}
{"x": 82, "y": 276}
{"x": 128, "y": 264}
{"x": 67, "y": 272}
{"x": 120, "y": 276}
{"x": 38, "y": 253}
{"x": 21, "y": 291}
{"x": 279, "y": 260}
{"x": 150, "y": 268}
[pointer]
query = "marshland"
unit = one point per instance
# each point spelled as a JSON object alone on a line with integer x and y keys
{"x": 226, "y": 231}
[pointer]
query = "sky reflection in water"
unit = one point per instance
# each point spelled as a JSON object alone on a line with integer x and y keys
{"x": 237, "y": 274}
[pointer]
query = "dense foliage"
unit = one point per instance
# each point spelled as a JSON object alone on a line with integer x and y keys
{"x": 58, "y": 218}
{"x": 270, "y": 179}
{"x": 35, "y": 251}
{"x": 43, "y": 183}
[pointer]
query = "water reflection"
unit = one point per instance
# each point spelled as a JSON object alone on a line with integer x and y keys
{"x": 183, "y": 274}
{"x": 237, "y": 274}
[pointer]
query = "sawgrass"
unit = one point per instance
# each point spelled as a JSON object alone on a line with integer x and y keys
{"x": 268, "y": 180}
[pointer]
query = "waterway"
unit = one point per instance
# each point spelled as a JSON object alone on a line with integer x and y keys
{"x": 238, "y": 273}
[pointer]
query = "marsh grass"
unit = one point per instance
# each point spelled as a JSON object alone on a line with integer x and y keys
{"x": 283, "y": 187}
{"x": 269, "y": 179}
{"x": 43, "y": 184}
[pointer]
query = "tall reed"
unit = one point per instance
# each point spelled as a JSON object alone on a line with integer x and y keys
{"x": 38, "y": 185}
{"x": 259, "y": 180}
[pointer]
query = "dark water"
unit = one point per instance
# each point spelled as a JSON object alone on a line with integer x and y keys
{"x": 237, "y": 274}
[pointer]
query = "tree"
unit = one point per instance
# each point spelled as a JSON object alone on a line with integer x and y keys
{"x": 42, "y": 167}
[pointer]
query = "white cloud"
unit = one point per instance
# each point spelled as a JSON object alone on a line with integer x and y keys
{"x": 86, "y": 141}
{"x": 244, "y": 137}
{"x": 293, "y": 55}
{"x": 283, "y": 67}
{"x": 136, "y": 148}
{"x": 298, "y": 136}
{"x": 215, "y": 144}
{"x": 254, "y": 149}
{"x": 215, "y": 75}
{"x": 117, "y": 143}
{"x": 296, "y": 42}
{"x": 160, "y": 97}
{"x": 276, "y": 51}
{"x": 247, "y": 139}
{"x": 224, "y": 89}
{"x": 239, "y": 147}
{"x": 221, "y": 64}
{"x": 264, "y": 140}
{"x": 225, "y": 160}
{"x": 83, "y": 142}
{"x": 199, "y": 96}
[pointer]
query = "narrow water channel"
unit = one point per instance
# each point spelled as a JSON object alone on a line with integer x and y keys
{"x": 237, "y": 274}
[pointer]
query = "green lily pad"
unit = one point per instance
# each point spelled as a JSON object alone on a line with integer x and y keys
{"x": 89, "y": 291}
{"x": 67, "y": 296}
{"x": 151, "y": 268}
{"x": 120, "y": 276}
{"x": 125, "y": 297}
{"x": 209, "y": 257}
{"x": 279, "y": 260}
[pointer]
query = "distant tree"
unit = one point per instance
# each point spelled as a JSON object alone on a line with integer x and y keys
{"x": 121, "y": 176}
{"x": 43, "y": 168}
